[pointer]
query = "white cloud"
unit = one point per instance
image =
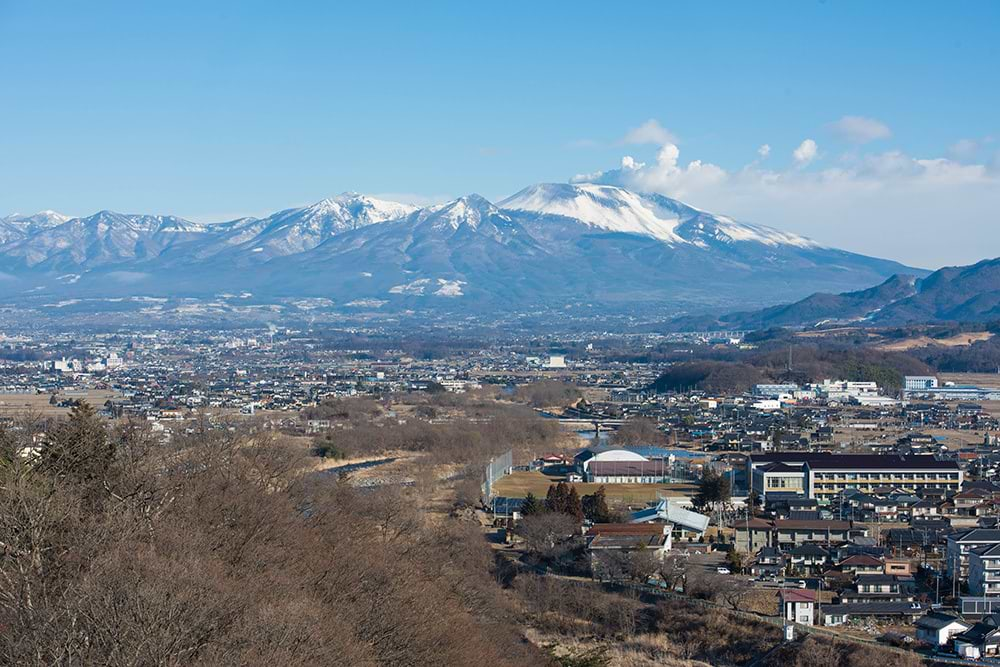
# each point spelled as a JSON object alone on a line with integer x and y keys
{"x": 665, "y": 175}
{"x": 926, "y": 212}
{"x": 650, "y": 132}
{"x": 591, "y": 177}
{"x": 764, "y": 151}
{"x": 806, "y": 152}
{"x": 860, "y": 130}
{"x": 968, "y": 149}
{"x": 629, "y": 162}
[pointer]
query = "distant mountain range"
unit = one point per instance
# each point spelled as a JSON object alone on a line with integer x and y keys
{"x": 964, "y": 294}
{"x": 553, "y": 245}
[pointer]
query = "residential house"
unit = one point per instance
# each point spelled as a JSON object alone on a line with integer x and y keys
{"x": 861, "y": 564}
{"x": 894, "y": 612}
{"x": 788, "y": 533}
{"x": 808, "y": 558}
{"x": 798, "y": 605}
{"x": 769, "y": 562}
{"x": 938, "y": 629}
{"x": 879, "y": 588}
{"x": 606, "y": 542}
{"x": 982, "y": 640}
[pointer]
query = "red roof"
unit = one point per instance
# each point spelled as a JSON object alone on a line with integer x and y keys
{"x": 798, "y": 595}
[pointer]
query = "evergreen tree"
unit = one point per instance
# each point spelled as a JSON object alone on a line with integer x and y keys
{"x": 79, "y": 449}
{"x": 573, "y": 505}
{"x": 595, "y": 506}
{"x": 713, "y": 489}
{"x": 531, "y": 506}
{"x": 736, "y": 561}
{"x": 563, "y": 498}
{"x": 555, "y": 499}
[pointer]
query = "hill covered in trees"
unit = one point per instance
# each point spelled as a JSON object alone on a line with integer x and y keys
{"x": 737, "y": 371}
{"x": 220, "y": 549}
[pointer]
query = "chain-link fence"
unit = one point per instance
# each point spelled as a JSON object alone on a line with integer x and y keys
{"x": 498, "y": 467}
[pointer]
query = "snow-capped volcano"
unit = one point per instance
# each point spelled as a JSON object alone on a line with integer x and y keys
{"x": 618, "y": 210}
{"x": 602, "y": 206}
{"x": 548, "y": 245}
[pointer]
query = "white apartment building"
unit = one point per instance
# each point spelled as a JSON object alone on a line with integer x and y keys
{"x": 919, "y": 382}
{"x": 844, "y": 390}
{"x": 960, "y": 545}
{"x": 984, "y": 571}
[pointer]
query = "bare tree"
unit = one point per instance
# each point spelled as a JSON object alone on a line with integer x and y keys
{"x": 639, "y": 431}
{"x": 550, "y": 536}
{"x": 818, "y": 653}
{"x": 671, "y": 569}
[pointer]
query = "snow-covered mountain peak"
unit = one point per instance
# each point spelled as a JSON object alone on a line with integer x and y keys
{"x": 617, "y": 209}
{"x": 469, "y": 210}
{"x": 603, "y": 206}
{"x": 46, "y": 218}
{"x": 349, "y": 210}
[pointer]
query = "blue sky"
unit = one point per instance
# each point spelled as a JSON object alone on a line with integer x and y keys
{"x": 214, "y": 110}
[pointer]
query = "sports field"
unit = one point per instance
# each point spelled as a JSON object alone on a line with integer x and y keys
{"x": 519, "y": 484}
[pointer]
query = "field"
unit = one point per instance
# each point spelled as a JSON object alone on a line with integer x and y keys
{"x": 959, "y": 340}
{"x": 978, "y": 379}
{"x": 519, "y": 484}
{"x": 12, "y": 405}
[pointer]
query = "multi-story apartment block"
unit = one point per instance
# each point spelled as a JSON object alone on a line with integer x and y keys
{"x": 984, "y": 571}
{"x": 827, "y": 477}
{"x": 960, "y": 545}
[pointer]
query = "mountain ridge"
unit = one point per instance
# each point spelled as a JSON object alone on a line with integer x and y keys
{"x": 548, "y": 244}
{"x": 959, "y": 293}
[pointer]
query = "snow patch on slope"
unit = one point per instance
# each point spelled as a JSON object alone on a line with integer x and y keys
{"x": 616, "y": 209}
{"x": 742, "y": 231}
{"x": 420, "y": 287}
{"x": 602, "y": 206}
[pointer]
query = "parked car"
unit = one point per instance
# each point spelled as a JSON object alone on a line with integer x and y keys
{"x": 723, "y": 570}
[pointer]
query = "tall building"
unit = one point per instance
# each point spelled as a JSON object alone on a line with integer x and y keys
{"x": 825, "y": 476}
{"x": 919, "y": 382}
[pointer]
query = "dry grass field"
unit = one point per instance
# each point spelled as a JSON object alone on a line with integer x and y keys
{"x": 991, "y": 380}
{"x": 958, "y": 340}
{"x": 519, "y": 484}
{"x": 12, "y": 405}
